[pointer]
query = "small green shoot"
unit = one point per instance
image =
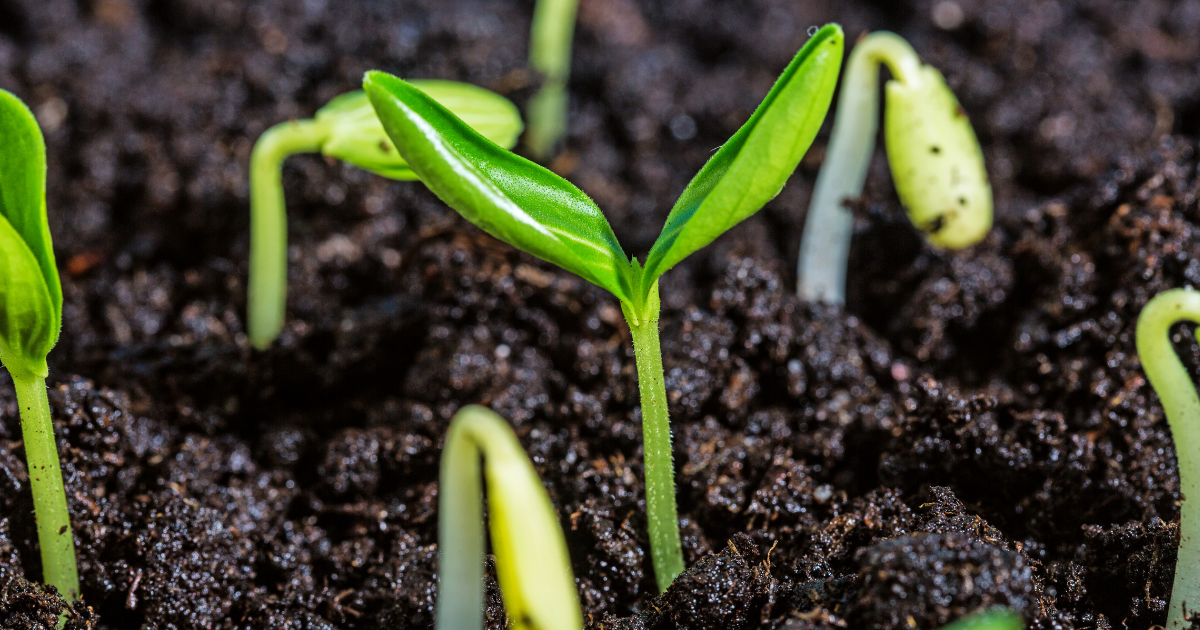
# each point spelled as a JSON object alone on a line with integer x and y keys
{"x": 1174, "y": 386}
{"x": 30, "y": 318}
{"x": 550, "y": 41}
{"x": 994, "y": 619}
{"x": 345, "y": 129}
{"x": 532, "y": 564}
{"x": 539, "y": 212}
{"x": 935, "y": 158}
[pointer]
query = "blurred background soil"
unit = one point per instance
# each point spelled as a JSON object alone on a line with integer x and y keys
{"x": 972, "y": 430}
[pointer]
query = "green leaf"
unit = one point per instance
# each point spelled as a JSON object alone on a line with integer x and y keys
{"x": 30, "y": 293}
{"x": 507, "y": 196}
{"x": 752, "y": 167}
{"x": 355, "y": 135}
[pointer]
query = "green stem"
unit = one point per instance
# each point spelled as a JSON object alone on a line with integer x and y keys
{"x": 1174, "y": 386}
{"x": 825, "y": 245}
{"x": 46, "y": 482}
{"x": 267, "y": 287}
{"x": 661, "y": 516}
{"x": 550, "y": 42}
{"x": 460, "y": 534}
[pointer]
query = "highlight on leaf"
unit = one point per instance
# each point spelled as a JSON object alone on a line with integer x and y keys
{"x": 541, "y": 213}
{"x": 345, "y": 129}
{"x": 532, "y": 565}
{"x": 935, "y": 159}
{"x": 30, "y": 318}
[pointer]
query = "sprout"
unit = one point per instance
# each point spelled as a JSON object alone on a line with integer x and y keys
{"x": 30, "y": 318}
{"x": 345, "y": 129}
{"x": 532, "y": 565}
{"x": 550, "y": 54}
{"x": 1173, "y": 384}
{"x": 995, "y": 619}
{"x": 541, "y": 213}
{"x": 935, "y": 159}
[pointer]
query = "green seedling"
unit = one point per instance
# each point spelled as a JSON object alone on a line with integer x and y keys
{"x": 532, "y": 565}
{"x": 345, "y": 129}
{"x": 539, "y": 212}
{"x": 1173, "y": 384}
{"x": 995, "y": 619}
{"x": 30, "y": 318}
{"x": 935, "y": 158}
{"x": 550, "y": 55}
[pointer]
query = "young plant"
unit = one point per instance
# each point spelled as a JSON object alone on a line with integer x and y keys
{"x": 936, "y": 163}
{"x": 541, "y": 213}
{"x": 30, "y": 318}
{"x": 345, "y": 129}
{"x": 1173, "y": 384}
{"x": 550, "y": 54}
{"x": 994, "y": 619}
{"x": 532, "y": 565}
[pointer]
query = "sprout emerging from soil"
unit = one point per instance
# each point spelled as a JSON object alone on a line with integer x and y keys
{"x": 532, "y": 564}
{"x": 995, "y": 619}
{"x": 550, "y": 55}
{"x": 541, "y": 213}
{"x": 1173, "y": 384}
{"x": 935, "y": 158}
{"x": 345, "y": 129}
{"x": 30, "y": 319}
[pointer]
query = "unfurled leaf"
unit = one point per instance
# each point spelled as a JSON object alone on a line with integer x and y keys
{"x": 752, "y": 167}
{"x": 506, "y": 195}
{"x": 30, "y": 293}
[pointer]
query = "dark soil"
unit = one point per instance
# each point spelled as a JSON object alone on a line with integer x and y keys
{"x": 973, "y": 430}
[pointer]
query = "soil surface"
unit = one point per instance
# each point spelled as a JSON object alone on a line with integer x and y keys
{"x": 973, "y": 430}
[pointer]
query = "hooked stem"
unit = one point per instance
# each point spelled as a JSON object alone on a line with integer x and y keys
{"x": 662, "y": 518}
{"x": 825, "y": 245}
{"x": 266, "y": 298}
{"x": 55, "y": 537}
{"x": 1174, "y": 386}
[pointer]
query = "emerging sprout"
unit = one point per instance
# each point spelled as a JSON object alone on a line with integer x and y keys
{"x": 995, "y": 619}
{"x": 30, "y": 318}
{"x": 539, "y": 212}
{"x": 936, "y": 163}
{"x": 1173, "y": 384}
{"x": 345, "y": 129}
{"x": 550, "y": 54}
{"x": 532, "y": 565}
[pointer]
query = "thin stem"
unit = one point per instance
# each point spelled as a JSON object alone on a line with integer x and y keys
{"x": 267, "y": 287}
{"x": 55, "y": 538}
{"x": 825, "y": 245}
{"x": 1174, "y": 386}
{"x": 661, "y": 516}
{"x": 460, "y": 535}
{"x": 550, "y": 42}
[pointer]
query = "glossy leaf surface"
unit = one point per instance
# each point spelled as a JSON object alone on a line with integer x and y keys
{"x": 752, "y": 167}
{"x": 506, "y": 195}
{"x": 30, "y": 293}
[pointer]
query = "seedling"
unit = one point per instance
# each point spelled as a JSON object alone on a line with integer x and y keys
{"x": 345, "y": 129}
{"x": 30, "y": 318}
{"x": 550, "y": 54}
{"x": 1173, "y": 384}
{"x": 541, "y": 213}
{"x": 994, "y": 619}
{"x": 532, "y": 564}
{"x": 935, "y": 158}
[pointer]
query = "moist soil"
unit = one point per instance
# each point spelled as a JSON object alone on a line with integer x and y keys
{"x": 972, "y": 430}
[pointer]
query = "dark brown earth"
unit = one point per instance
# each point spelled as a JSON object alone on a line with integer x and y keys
{"x": 974, "y": 430}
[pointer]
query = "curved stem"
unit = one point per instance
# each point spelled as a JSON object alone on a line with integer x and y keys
{"x": 266, "y": 298}
{"x": 825, "y": 245}
{"x": 460, "y": 535}
{"x": 1174, "y": 386}
{"x": 55, "y": 537}
{"x": 550, "y": 40}
{"x": 661, "y": 516}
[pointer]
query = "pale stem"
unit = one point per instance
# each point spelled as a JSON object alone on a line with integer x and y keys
{"x": 460, "y": 536}
{"x": 662, "y": 519}
{"x": 550, "y": 42}
{"x": 825, "y": 244}
{"x": 55, "y": 537}
{"x": 266, "y": 299}
{"x": 1174, "y": 386}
